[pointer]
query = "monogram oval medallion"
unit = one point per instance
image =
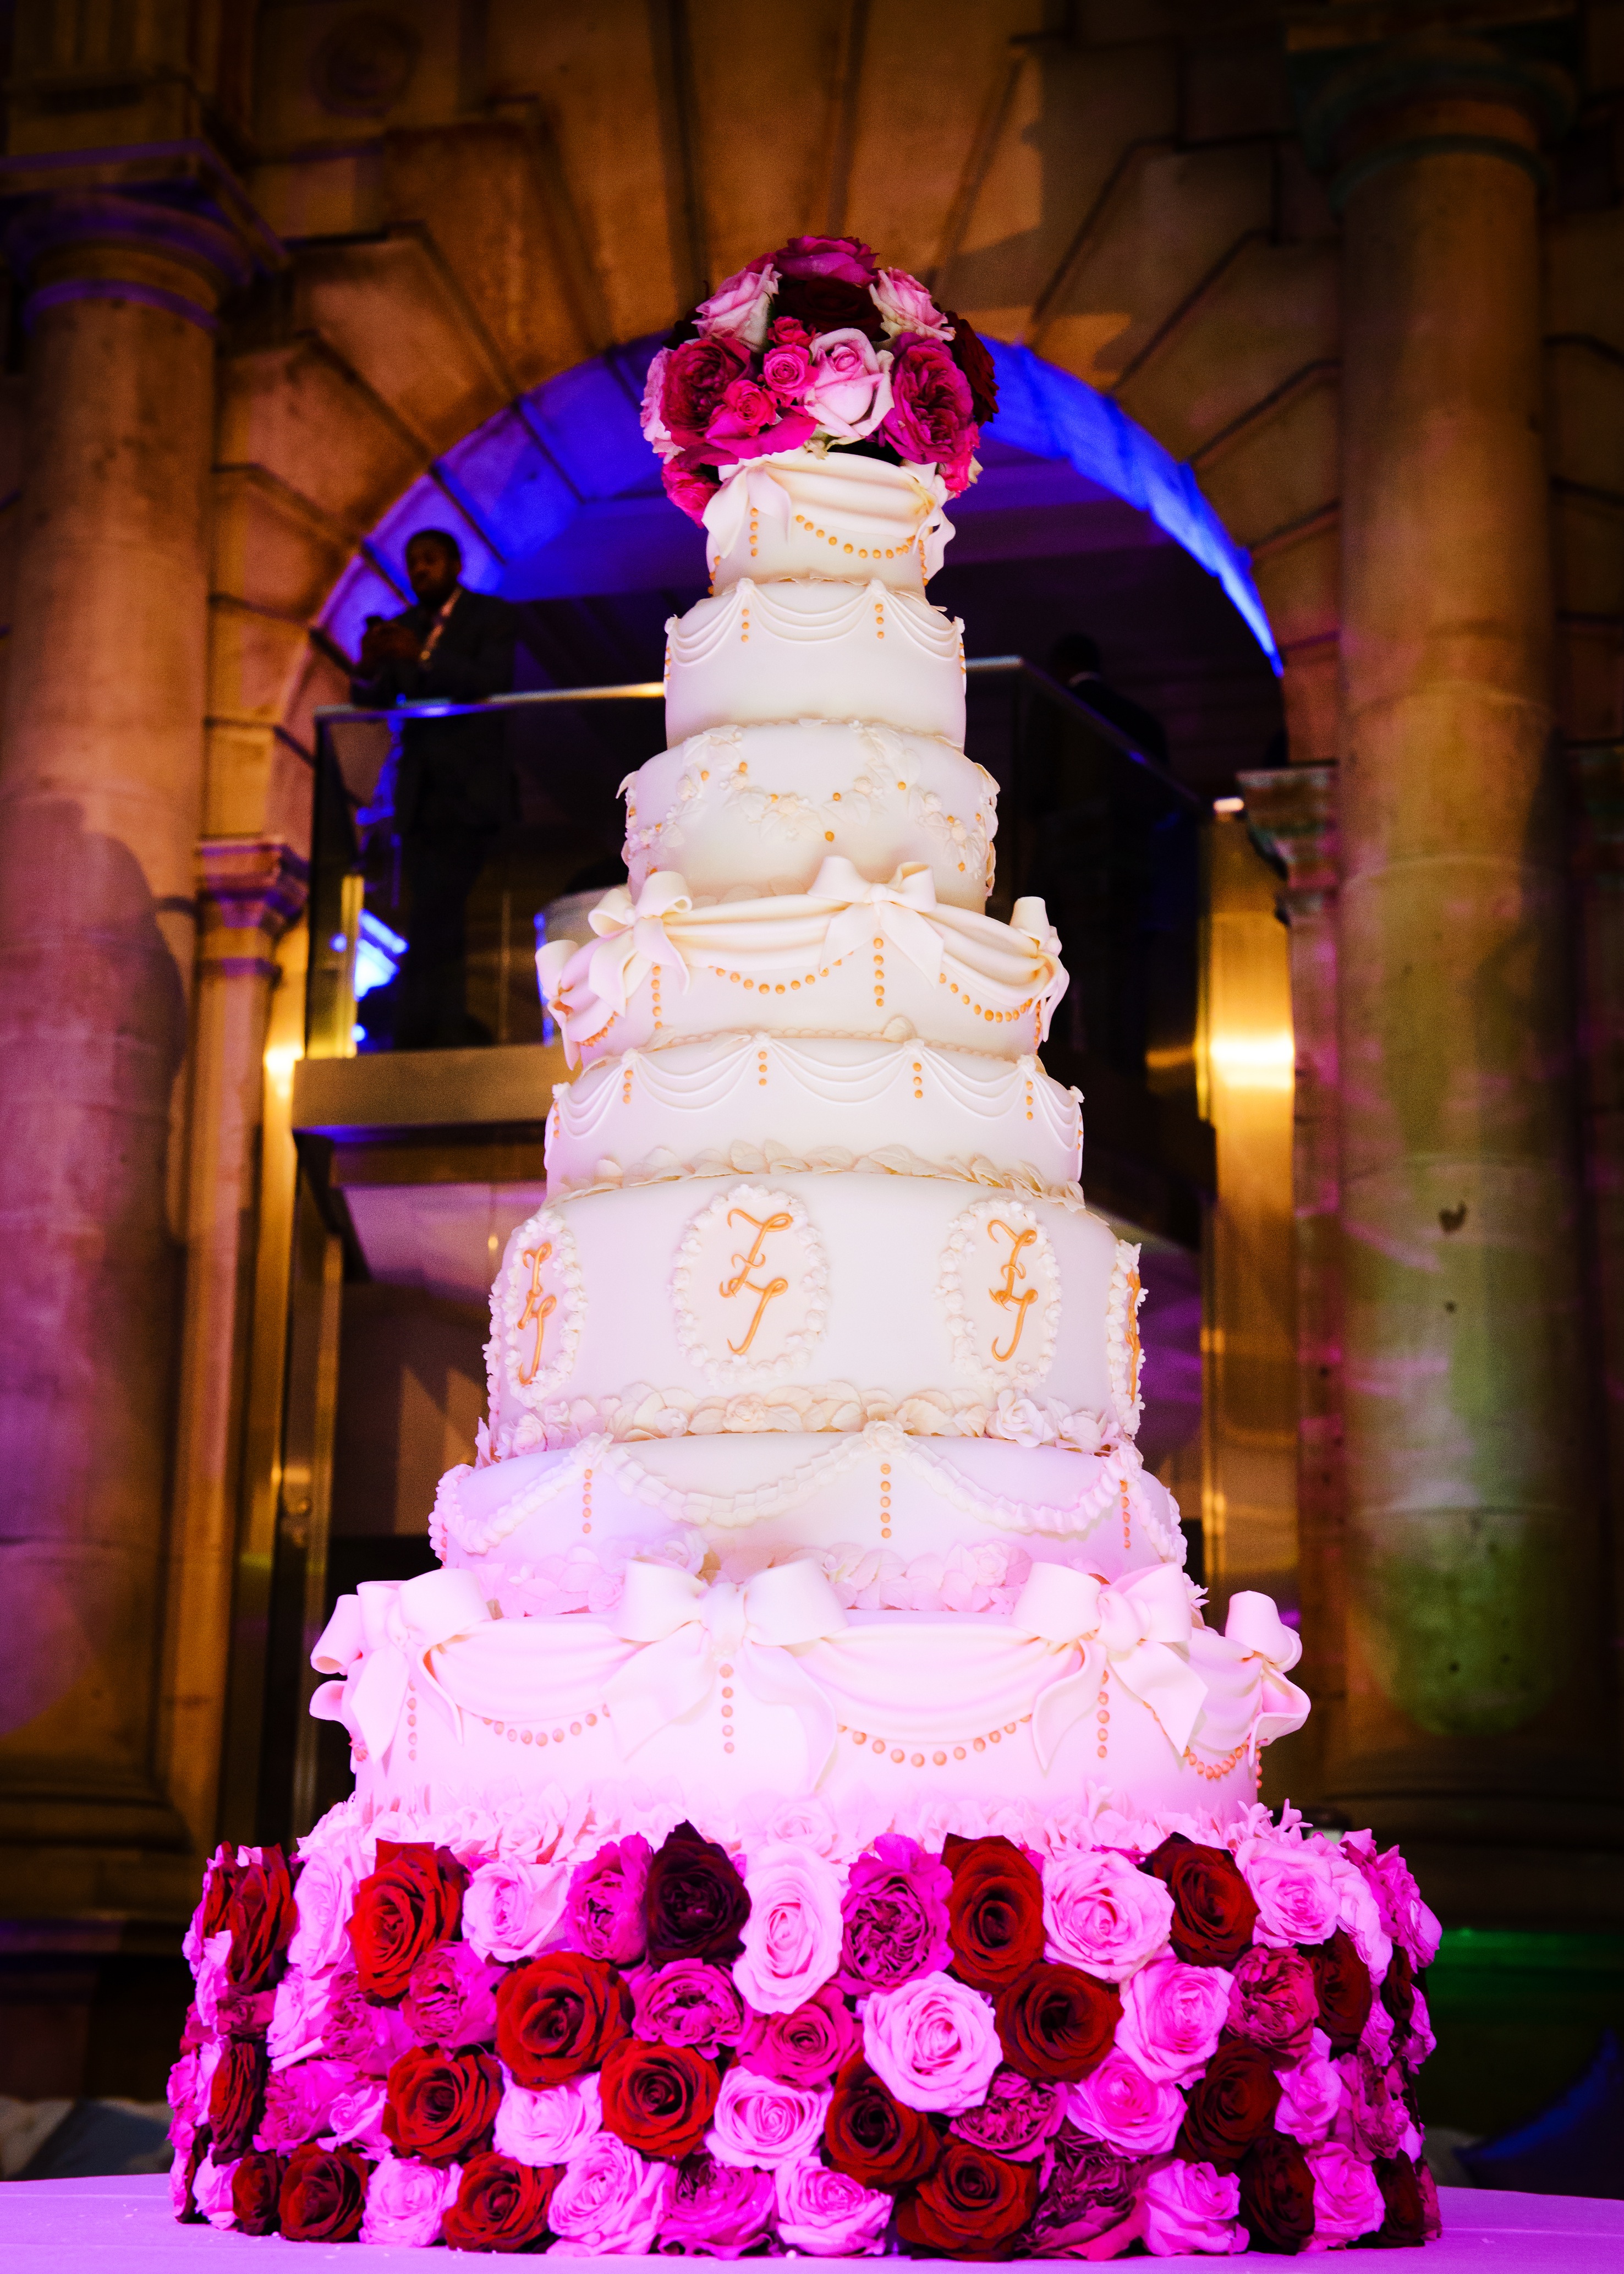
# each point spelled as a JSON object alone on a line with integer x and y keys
{"x": 537, "y": 1306}
{"x": 1000, "y": 1286}
{"x": 750, "y": 1287}
{"x": 1123, "y": 1354}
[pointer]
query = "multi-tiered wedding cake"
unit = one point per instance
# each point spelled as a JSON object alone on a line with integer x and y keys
{"x": 808, "y": 1811}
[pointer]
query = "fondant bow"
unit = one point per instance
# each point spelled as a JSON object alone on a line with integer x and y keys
{"x": 894, "y": 909}
{"x": 1269, "y": 1648}
{"x": 380, "y": 1639}
{"x": 631, "y": 936}
{"x": 690, "y": 1631}
{"x": 1133, "y": 1631}
{"x": 748, "y": 486}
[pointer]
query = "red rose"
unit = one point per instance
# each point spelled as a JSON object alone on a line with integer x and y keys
{"x": 694, "y": 1900}
{"x": 261, "y": 1915}
{"x": 970, "y": 354}
{"x": 873, "y": 2138}
{"x": 217, "y": 1878}
{"x": 1230, "y": 2105}
{"x": 1342, "y": 1985}
{"x": 412, "y": 1901}
{"x": 1277, "y": 2195}
{"x": 1214, "y": 1911}
{"x": 930, "y": 413}
{"x": 1058, "y": 2023}
{"x": 500, "y": 2205}
{"x": 441, "y": 2105}
{"x": 660, "y": 2099}
{"x": 236, "y": 2096}
{"x": 973, "y": 2205}
{"x": 994, "y": 1913}
{"x": 829, "y": 304}
{"x": 558, "y": 2016}
{"x": 1410, "y": 2195}
{"x": 697, "y": 376}
{"x": 323, "y": 2195}
{"x": 256, "y": 2186}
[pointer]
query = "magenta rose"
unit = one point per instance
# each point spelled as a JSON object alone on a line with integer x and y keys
{"x": 697, "y": 376}
{"x": 762, "y": 2122}
{"x": 1411, "y": 1924}
{"x": 786, "y": 370}
{"x": 791, "y": 1935}
{"x": 689, "y": 489}
{"x": 1089, "y": 2194}
{"x": 1019, "y": 2118}
{"x": 610, "y": 2201}
{"x": 1273, "y": 1999}
{"x": 406, "y": 2201}
{"x": 1172, "y": 2017}
{"x": 1103, "y": 1914}
{"x": 930, "y": 412}
{"x": 750, "y": 422}
{"x": 1346, "y": 2200}
{"x": 298, "y": 2103}
{"x": 687, "y": 2003}
{"x": 1191, "y": 2207}
{"x": 848, "y": 258}
{"x": 933, "y": 2044}
{"x": 1135, "y": 2113}
{"x": 451, "y": 1998}
{"x": 605, "y": 1905}
{"x": 827, "y": 2214}
{"x": 806, "y": 2047}
{"x": 895, "y": 1915}
{"x": 716, "y": 2211}
{"x": 370, "y": 2037}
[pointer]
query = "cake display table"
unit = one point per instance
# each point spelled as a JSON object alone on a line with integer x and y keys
{"x": 125, "y": 2226}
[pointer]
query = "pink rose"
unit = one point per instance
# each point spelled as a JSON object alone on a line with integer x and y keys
{"x": 512, "y": 1911}
{"x": 1103, "y": 1914}
{"x": 609, "y": 2202}
{"x": 605, "y": 1907}
{"x": 788, "y": 371}
{"x": 895, "y": 1915}
{"x": 739, "y": 305}
{"x": 186, "y": 2097}
{"x": 716, "y": 2211}
{"x": 298, "y": 2016}
{"x": 850, "y": 388}
{"x": 1418, "y": 2039}
{"x": 847, "y": 258}
{"x": 298, "y": 2103}
{"x": 1294, "y": 1889}
{"x": 932, "y": 417}
{"x": 806, "y": 2047}
{"x": 687, "y": 2003}
{"x": 1310, "y": 2094}
{"x": 655, "y": 433}
{"x": 907, "y": 306}
{"x": 1019, "y": 2118}
{"x": 370, "y": 2037}
{"x": 222, "y": 2008}
{"x": 323, "y": 1896}
{"x": 1190, "y": 2207}
{"x": 792, "y": 1937}
{"x": 211, "y": 2192}
{"x": 181, "y": 2137}
{"x": 1376, "y": 2039}
{"x": 1273, "y": 1999}
{"x": 356, "y": 2115}
{"x": 1117, "y": 2103}
{"x": 1408, "y": 1921}
{"x": 1346, "y": 2200}
{"x": 451, "y": 1998}
{"x": 826, "y": 2214}
{"x": 406, "y": 2200}
{"x": 760, "y": 2122}
{"x": 1172, "y": 2016}
{"x": 552, "y": 2126}
{"x": 933, "y": 2044}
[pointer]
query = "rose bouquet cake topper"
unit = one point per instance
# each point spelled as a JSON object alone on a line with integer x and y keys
{"x": 816, "y": 347}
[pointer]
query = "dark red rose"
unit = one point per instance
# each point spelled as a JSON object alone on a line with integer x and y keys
{"x": 558, "y": 2016}
{"x": 1214, "y": 1911}
{"x": 994, "y": 1913}
{"x": 1277, "y": 2195}
{"x": 323, "y": 2195}
{"x": 1058, "y": 2023}
{"x": 261, "y": 1913}
{"x": 412, "y": 1900}
{"x": 1230, "y": 2105}
{"x": 828, "y": 304}
{"x": 970, "y": 354}
{"x": 1410, "y": 2197}
{"x": 872, "y": 2137}
{"x": 804, "y": 2048}
{"x": 441, "y": 2105}
{"x": 845, "y": 257}
{"x": 697, "y": 376}
{"x": 1273, "y": 1999}
{"x": 236, "y": 2096}
{"x": 930, "y": 415}
{"x": 660, "y": 2099}
{"x": 695, "y": 1901}
{"x": 1398, "y": 1988}
{"x": 500, "y": 2205}
{"x": 1342, "y": 1983}
{"x": 217, "y": 1878}
{"x": 256, "y": 2188}
{"x": 973, "y": 2205}
{"x": 785, "y": 332}
{"x": 1090, "y": 2190}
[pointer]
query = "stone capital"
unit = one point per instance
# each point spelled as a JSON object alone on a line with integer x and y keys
{"x": 1294, "y": 809}
{"x": 249, "y": 889}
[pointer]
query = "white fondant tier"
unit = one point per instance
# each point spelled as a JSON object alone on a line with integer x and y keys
{"x": 802, "y": 514}
{"x": 848, "y": 957}
{"x": 888, "y": 1511}
{"x": 803, "y": 648}
{"x": 762, "y": 807}
{"x": 743, "y": 1289}
{"x": 701, "y": 1107}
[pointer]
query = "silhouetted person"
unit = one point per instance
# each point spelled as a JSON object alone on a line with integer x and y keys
{"x": 454, "y": 788}
{"x": 1074, "y": 661}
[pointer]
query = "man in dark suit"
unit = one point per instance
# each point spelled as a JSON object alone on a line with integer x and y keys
{"x": 455, "y": 789}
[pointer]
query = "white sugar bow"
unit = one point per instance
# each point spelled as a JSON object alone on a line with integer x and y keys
{"x": 1134, "y": 1631}
{"x": 380, "y": 1639}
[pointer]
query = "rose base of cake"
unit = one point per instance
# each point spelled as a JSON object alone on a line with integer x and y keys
{"x": 575, "y": 2020}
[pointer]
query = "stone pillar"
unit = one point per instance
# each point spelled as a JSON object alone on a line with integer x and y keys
{"x": 101, "y": 789}
{"x": 1474, "y": 1687}
{"x": 248, "y": 889}
{"x": 1294, "y": 807}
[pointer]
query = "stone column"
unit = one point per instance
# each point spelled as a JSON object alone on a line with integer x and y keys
{"x": 248, "y": 889}
{"x": 101, "y": 788}
{"x": 1474, "y": 1690}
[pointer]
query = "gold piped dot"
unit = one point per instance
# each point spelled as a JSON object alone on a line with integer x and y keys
{"x": 958, "y": 1752}
{"x": 898, "y": 1756}
{"x": 939, "y": 1760}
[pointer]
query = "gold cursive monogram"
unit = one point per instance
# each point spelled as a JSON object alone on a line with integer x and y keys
{"x": 538, "y": 1307}
{"x": 1005, "y": 1297}
{"x": 741, "y": 1282}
